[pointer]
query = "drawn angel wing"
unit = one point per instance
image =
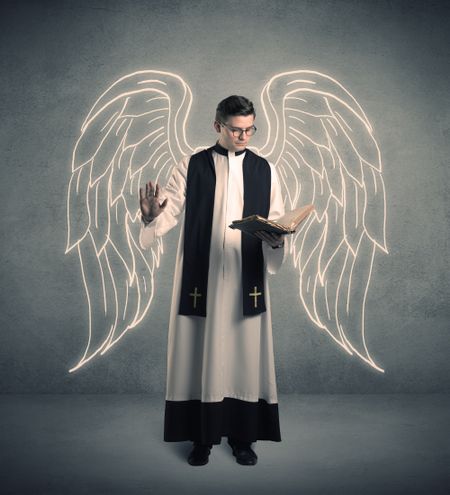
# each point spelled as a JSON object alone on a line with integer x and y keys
{"x": 135, "y": 132}
{"x": 326, "y": 154}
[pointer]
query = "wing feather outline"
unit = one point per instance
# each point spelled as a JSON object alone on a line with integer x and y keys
{"x": 325, "y": 152}
{"x": 134, "y": 132}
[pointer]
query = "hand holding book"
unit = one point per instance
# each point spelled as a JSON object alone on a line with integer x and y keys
{"x": 273, "y": 239}
{"x": 287, "y": 224}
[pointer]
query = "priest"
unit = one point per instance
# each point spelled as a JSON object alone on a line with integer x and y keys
{"x": 220, "y": 362}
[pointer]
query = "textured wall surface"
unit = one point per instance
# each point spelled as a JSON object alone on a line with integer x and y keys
{"x": 56, "y": 60}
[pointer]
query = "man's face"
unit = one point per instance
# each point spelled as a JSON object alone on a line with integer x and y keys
{"x": 227, "y": 140}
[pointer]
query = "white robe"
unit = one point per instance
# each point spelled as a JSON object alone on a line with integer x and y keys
{"x": 223, "y": 354}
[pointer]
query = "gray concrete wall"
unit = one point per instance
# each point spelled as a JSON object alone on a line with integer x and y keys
{"x": 56, "y": 60}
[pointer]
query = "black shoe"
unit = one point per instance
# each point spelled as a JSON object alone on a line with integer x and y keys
{"x": 243, "y": 453}
{"x": 199, "y": 454}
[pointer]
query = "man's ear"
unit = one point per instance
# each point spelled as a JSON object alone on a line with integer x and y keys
{"x": 217, "y": 126}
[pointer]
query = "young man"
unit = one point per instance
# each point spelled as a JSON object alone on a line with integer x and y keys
{"x": 220, "y": 363}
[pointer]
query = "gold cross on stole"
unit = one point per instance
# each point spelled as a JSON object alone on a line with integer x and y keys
{"x": 255, "y": 295}
{"x": 196, "y": 294}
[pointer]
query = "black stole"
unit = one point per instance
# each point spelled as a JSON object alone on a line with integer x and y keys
{"x": 199, "y": 207}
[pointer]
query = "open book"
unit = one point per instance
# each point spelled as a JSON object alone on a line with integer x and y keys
{"x": 287, "y": 224}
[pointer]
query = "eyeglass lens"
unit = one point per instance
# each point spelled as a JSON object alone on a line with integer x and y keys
{"x": 249, "y": 132}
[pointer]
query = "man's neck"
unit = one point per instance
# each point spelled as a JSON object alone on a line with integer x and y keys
{"x": 225, "y": 151}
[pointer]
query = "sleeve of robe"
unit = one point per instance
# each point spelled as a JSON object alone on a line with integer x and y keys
{"x": 274, "y": 258}
{"x": 175, "y": 191}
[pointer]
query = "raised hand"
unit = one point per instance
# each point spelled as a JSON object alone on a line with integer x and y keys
{"x": 149, "y": 202}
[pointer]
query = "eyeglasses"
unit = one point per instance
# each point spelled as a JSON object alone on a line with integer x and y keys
{"x": 237, "y": 132}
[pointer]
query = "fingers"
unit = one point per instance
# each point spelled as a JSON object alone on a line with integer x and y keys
{"x": 259, "y": 235}
{"x": 263, "y": 235}
{"x": 271, "y": 238}
{"x": 276, "y": 237}
{"x": 152, "y": 191}
{"x": 146, "y": 189}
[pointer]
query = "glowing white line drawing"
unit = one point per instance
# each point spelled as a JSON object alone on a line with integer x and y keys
{"x": 325, "y": 152}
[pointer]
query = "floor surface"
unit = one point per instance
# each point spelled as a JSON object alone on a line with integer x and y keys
{"x": 331, "y": 444}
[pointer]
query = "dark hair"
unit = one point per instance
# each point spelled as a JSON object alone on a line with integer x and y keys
{"x": 234, "y": 105}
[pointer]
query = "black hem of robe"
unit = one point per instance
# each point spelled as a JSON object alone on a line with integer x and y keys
{"x": 208, "y": 422}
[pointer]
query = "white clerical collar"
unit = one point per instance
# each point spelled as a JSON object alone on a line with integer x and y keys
{"x": 223, "y": 151}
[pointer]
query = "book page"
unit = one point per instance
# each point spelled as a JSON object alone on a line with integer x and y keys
{"x": 290, "y": 218}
